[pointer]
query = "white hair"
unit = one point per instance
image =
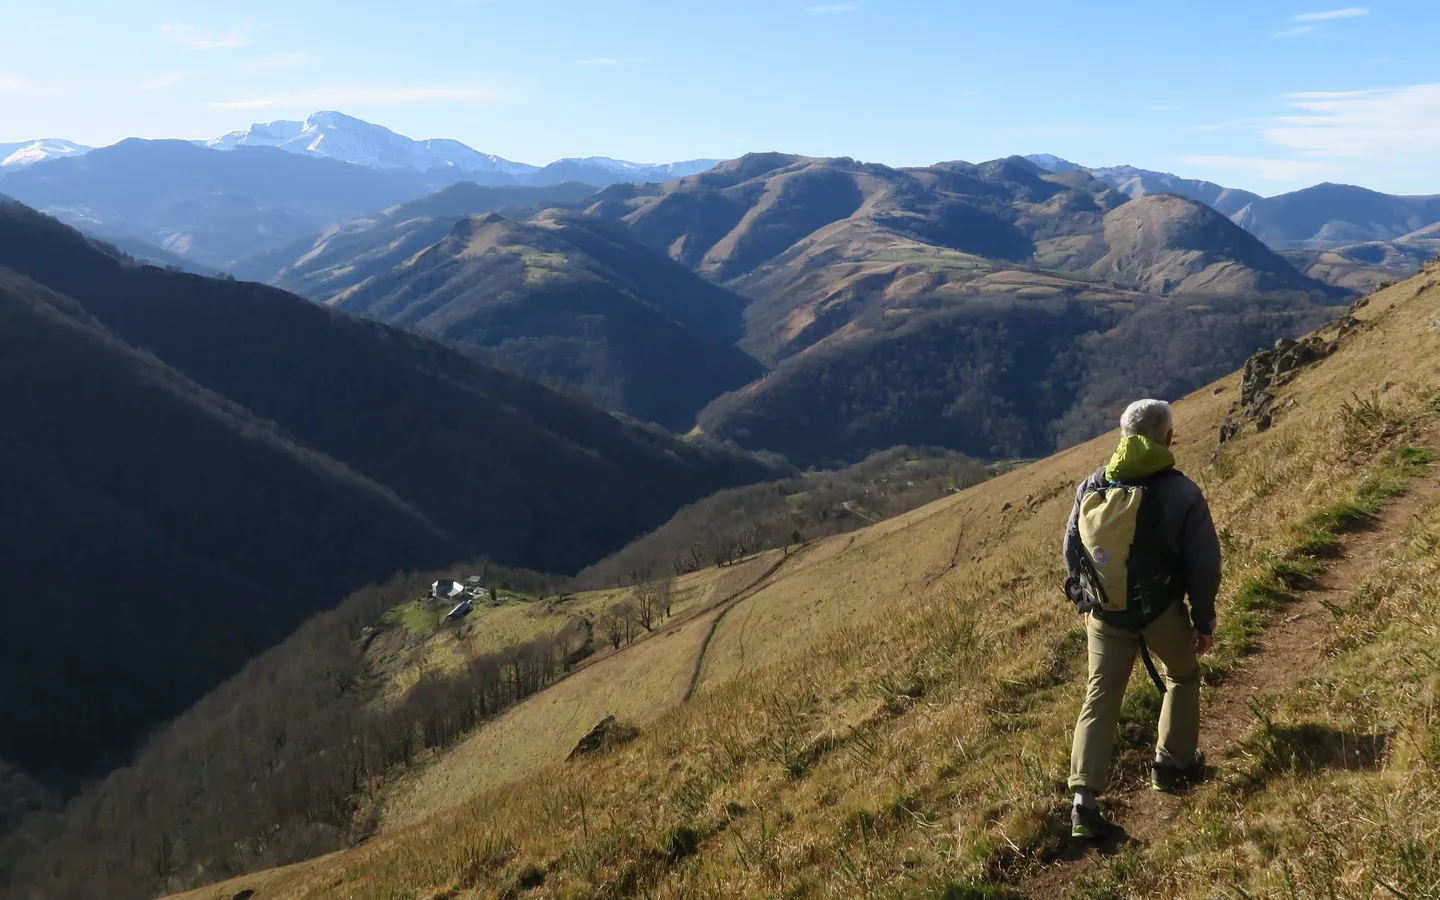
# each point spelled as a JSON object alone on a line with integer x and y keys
{"x": 1150, "y": 418}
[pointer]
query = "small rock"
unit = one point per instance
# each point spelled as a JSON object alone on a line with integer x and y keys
{"x": 1006, "y": 507}
{"x": 1219, "y": 390}
{"x": 594, "y": 740}
{"x": 243, "y": 894}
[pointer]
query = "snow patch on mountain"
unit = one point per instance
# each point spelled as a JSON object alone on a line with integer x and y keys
{"x": 346, "y": 138}
{"x": 28, "y": 153}
{"x": 337, "y": 136}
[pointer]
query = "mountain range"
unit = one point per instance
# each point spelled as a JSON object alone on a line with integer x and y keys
{"x": 972, "y": 306}
{"x": 232, "y": 458}
{"x": 1349, "y": 236}
{"x": 215, "y": 221}
{"x": 334, "y": 135}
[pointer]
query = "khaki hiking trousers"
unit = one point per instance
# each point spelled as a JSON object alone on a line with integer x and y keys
{"x": 1112, "y": 653}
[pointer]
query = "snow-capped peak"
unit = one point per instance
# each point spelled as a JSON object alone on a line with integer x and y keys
{"x": 337, "y": 136}
{"x": 1051, "y": 163}
{"x": 27, "y": 153}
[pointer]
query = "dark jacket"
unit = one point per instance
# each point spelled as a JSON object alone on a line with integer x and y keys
{"x": 1189, "y": 532}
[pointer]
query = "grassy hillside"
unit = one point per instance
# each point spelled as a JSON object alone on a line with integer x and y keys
{"x": 575, "y": 301}
{"x": 344, "y": 255}
{"x": 888, "y": 713}
{"x": 1166, "y": 243}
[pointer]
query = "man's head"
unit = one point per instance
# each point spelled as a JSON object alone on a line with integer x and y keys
{"x": 1149, "y": 418}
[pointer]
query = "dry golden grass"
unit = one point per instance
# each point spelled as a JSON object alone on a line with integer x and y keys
{"x": 901, "y": 713}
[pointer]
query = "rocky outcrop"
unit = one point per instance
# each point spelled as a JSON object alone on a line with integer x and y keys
{"x": 605, "y": 736}
{"x": 1269, "y": 370}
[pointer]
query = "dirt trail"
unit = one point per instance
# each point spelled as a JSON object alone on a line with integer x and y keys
{"x": 728, "y": 603}
{"x": 1291, "y": 649}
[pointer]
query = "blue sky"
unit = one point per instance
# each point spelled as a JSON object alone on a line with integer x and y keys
{"x": 1264, "y": 95}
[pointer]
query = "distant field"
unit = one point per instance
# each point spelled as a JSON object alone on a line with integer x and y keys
{"x": 942, "y": 259}
{"x": 431, "y": 642}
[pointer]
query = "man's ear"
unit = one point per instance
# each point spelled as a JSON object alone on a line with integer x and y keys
{"x": 1170, "y": 437}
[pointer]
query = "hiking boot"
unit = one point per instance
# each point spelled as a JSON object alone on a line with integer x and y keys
{"x": 1169, "y": 778}
{"x": 1087, "y": 824}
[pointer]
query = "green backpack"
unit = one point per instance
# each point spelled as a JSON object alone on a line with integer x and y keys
{"x": 1129, "y": 575}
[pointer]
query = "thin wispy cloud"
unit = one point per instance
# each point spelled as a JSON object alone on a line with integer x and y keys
{"x": 275, "y": 63}
{"x": 1334, "y": 135}
{"x": 12, "y": 84}
{"x": 1349, "y": 12}
{"x": 163, "y": 82}
{"x": 832, "y": 9}
{"x": 612, "y": 61}
{"x": 1310, "y": 22}
{"x": 339, "y": 96}
{"x": 193, "y": 37}
{"x": 1369, "y": 124}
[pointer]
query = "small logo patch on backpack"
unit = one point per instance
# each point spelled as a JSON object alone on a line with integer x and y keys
{"x": 1101, "y": 556}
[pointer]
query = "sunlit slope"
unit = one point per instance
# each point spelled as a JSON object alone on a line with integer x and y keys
{"x": 909, "y": 734}
{"x": 636, "y": 683}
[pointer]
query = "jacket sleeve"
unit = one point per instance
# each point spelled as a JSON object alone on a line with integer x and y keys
{"x": 1200, "y": 548}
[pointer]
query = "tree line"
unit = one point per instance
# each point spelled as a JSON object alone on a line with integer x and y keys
{"x": 279, "y": 764}
{"x": 733, "y": 524}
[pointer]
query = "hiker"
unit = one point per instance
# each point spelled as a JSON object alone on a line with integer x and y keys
{"x": 1139, "y": 541}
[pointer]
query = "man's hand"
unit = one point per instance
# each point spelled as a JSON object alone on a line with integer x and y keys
{"x": 1203, "y": 642}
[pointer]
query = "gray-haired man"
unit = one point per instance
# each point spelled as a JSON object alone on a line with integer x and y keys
{"x": 1139, "y": 541}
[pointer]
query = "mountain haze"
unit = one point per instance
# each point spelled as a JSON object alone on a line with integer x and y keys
{"x": 213, "y": 208}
